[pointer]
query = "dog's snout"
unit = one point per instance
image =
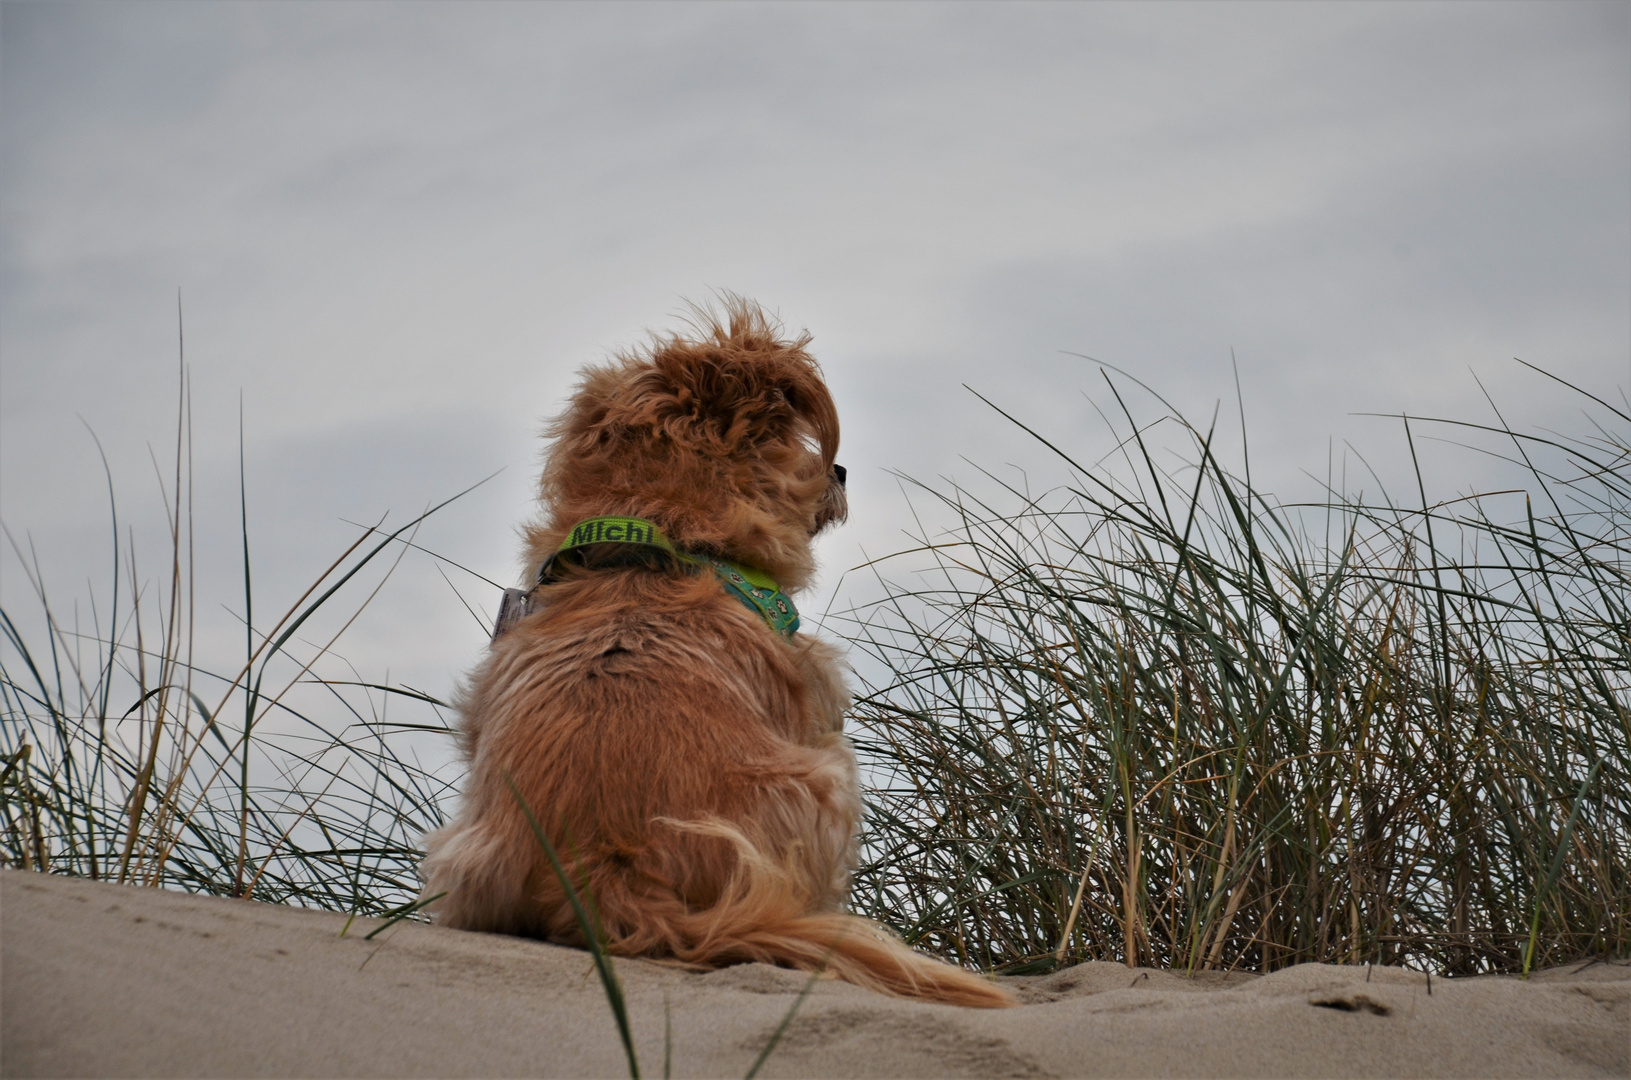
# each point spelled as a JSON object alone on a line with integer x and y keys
{"x": 840, "y": 473}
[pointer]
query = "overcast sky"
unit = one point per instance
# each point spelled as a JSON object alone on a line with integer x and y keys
{"x": 399, "y": 229}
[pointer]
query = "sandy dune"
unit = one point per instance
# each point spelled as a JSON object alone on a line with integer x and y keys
{"x": 99, "y": 980}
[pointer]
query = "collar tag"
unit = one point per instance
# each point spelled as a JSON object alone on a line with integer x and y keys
{"x": 516, "y": 605}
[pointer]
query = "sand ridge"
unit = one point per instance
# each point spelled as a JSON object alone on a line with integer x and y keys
{"x": 103, "y": 980}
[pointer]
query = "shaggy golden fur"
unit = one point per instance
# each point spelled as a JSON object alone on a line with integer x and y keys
{"x": 686, "y": 761}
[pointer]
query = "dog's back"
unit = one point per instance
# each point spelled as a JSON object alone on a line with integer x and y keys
{"x": 643, "y": 716}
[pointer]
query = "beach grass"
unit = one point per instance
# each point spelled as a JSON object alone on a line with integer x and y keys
{"x": 1155, "y": 716}
{"x": 124, "y": 759}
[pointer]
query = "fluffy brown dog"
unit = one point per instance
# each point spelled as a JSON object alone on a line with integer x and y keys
{"x": 680, "y": 744}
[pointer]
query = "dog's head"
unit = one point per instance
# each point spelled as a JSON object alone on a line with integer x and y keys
{"x": 725, "y": 437}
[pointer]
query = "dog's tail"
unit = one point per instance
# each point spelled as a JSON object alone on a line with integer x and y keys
{"x": 765, "y": 914}
{"x": 854, "y": 949}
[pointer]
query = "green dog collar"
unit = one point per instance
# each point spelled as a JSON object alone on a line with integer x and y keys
{"x": 754, "y": 588}
{"x": 616, "y": 530}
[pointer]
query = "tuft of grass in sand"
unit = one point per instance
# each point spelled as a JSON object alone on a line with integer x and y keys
{"x": 122, "y": 759}
{"x": 1160, "y": 717}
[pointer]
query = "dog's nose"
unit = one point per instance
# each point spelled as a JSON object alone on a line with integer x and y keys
{"x": 840, "y": 472}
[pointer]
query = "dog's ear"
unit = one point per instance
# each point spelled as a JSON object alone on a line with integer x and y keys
{"x": 812, "y": 405}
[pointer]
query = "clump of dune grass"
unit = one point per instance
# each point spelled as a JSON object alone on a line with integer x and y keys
{"x": 1159, "y": 717}
{"x": 122, "y": 759}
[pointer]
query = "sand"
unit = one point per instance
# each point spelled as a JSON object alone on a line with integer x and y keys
{"x": 103, "y": 980}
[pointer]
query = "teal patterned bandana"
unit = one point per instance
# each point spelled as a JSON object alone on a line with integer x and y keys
{"x": 754, "y": 588}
